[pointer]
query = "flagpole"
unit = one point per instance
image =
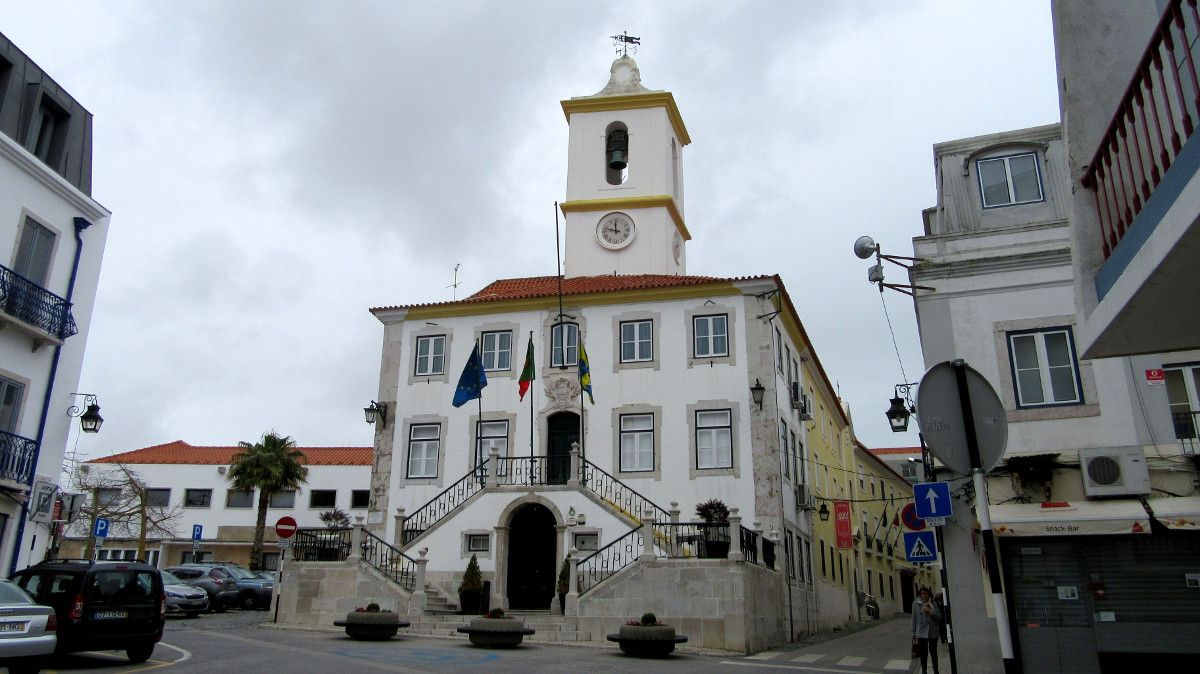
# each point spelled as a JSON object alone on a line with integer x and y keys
{"x": 558, "y": 273}
{"x": 532, "y": 431}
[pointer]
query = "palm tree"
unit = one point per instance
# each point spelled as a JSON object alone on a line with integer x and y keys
{"x": 270, "y": 465}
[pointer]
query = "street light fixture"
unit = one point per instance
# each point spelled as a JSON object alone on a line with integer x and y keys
{"x": 901, "y": 409}
{"x": 89, "y": 418}
{"x": 823, "y": 512}
{"x": 756, "y": 393}
{"x": 376, "y": 411}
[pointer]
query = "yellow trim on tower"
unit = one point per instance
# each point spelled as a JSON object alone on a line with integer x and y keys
{"x": 619, "y": 203}
{"x": 654, "y": 99}
{"x": 716, "y": 289}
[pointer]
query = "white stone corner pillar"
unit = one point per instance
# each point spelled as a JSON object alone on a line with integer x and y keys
{"x": 573, "y": 477}
{"x": 775, "y": 538}
{"x": 398, "y": 540}
{"x": 416, "y": 604}
{"x": 674, "y": 511}
{"x": 758, "y": 542}
{"x": 356, "y": 539}
{"x": 647, "y": 536}
{"x": 499, "y": 577}
{"x": 493, "y": 468}
{"x": 735, "y": 536}
{"x": 573, "y": 590}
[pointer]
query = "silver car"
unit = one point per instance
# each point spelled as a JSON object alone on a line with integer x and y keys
{"x": 27, "y": 630}
{"x": 183, "y": 598}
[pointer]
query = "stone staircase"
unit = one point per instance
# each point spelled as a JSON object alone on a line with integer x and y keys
{"x": 548, "y": 628}
{"x": 437, "y": 603}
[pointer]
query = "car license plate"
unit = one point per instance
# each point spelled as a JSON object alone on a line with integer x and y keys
{"x": 13, "y": 626}
{"x": 110, "y": 615}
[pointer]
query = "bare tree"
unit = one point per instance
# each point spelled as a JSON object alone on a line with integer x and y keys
{"x": 120, "y": 495}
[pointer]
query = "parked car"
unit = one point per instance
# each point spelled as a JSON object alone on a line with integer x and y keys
{"x": 100, "y": 605}
{"x": 221, "y": 588}
{"x": 27, "y": 631}
{"x": 183, "y": 598}
{"x": 253, "y": 592}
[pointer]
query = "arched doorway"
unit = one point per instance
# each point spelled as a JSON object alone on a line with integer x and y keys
{"x": 562, "y": 430}
{"x": 532, "y": 538}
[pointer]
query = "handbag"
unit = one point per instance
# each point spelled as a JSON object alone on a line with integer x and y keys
{"x": 916, "y": 650}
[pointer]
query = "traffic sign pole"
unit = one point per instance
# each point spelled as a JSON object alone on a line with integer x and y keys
{"x": 985, "y": 518}
{"x": 939, "y": 537}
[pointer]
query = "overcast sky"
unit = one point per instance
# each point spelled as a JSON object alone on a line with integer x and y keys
{"x": 274, "y": 169}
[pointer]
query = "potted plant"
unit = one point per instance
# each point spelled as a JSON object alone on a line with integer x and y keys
{"x": 371, "y": 624}
{"x": 564, "y": 584}
{"x": 470, "y": 590}
{"x": 496, "y": 630}
{"x": 645, "y": 637}
{"x": 715, "y": 514}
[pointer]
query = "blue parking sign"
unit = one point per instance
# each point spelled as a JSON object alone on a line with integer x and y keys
{"x": 920, "y": 546}
{"x": 197, "y": 532}
{"x": 100, "y": 528}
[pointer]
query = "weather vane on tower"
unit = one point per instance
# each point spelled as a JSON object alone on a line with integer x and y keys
{"x": 624, "y": 41}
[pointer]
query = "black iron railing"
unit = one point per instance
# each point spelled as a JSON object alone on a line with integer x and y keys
{"x": 750, "y": 545}
{"x": 618, "y": 494}
{"x": 16, "y": 457}
{"x": 534, "y": 470}
{"x": 608, "y": 560}
{"x": 709, "y": 540}
{"x": 768, "y": 553}
{"x": 29, "y": 302}
{"x": 1186, "y": 424}
{"x": 321, "y": 545}
{"x": 438, "y": 507}
{"x": 389, "y": 560}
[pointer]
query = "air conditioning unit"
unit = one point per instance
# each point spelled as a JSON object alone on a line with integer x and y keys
{"x": 805, "y": 408}
{"x": 1114, "y": 472}
{"x": 804, "y": 500}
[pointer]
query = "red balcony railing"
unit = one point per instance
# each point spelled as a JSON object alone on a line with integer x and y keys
{"x": 1153, "y": 121}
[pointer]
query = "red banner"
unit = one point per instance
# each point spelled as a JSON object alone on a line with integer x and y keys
{"x": 844, "y": 524}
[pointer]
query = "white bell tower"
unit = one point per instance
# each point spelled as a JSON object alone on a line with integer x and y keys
{"x": 624, "y": 205}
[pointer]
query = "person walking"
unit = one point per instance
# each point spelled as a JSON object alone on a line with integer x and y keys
{"x": 926, "y": 621}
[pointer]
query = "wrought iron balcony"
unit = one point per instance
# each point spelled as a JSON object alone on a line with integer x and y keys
{"x": 1186, "y": 425}
{"x": 30, "y": 303}
{"x": 16, "y": 457}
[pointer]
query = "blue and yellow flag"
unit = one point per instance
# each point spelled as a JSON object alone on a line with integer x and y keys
{"x": 585, "y": 372}
{"x": 472, "y": 381}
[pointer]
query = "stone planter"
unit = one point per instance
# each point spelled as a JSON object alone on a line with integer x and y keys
{"x": 496, "y": 632}
{"x": 647, "y": 641}
{"x": 371, "y": 626}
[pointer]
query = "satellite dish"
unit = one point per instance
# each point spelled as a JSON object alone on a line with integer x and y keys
{"x": 865, "y": 247}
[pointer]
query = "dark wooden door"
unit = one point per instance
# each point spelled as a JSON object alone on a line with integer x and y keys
{"x": 531, "y": 546}
{"x": 563, "y": 429}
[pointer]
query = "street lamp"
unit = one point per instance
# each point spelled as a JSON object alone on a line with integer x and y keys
{"x": 823, "y": 512}
{"x": 756, "y": 393}
{"x": 865, "y": 247}
{"x": 89, "y": 418}
{"x": 901, "y": 408}
{"x": 376, "y": 411}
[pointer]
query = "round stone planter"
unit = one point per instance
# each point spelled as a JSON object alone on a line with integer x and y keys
{"x": 647, "y": 641}
{"x": 496, "y": 632}
{"x": 366, "y": 626}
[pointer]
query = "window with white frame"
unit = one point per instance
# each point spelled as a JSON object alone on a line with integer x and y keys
{"x": 424, "y": 443}
{"x": 10, "y": 404}
{"x": 637, "y": 341}
{"x": 492, "y": 434}
{"x": 564, "y": 345}
{"x": 479, "y": 542}
{"x": 431, "y": 355}
{"x": 710, "y": 336}
{"x": 1004, "y": 181}
{"x": 1044, "y": 367}
{"x": 1183, "y": 398}
{"x": 714, "y": 439}
{"x": 637, "y": 442}
{"x": 496, "y": 350}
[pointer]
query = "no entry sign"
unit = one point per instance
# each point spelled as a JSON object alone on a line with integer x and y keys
{"x": 285, "y": 527}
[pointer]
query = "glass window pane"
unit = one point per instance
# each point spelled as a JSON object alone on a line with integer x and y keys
{"x": 425, "y": 431}
{"x": 1025, "y": 352}
{"x": 1062, "y": 384}
{"x": 1029, "y": 387}
{"x": 1025, "y": 178}
{"x": 993, "y": 182}
{"x": 1058, "y": 352}
{"x": 637, "y": 422}
{"x": 713, "y": 418}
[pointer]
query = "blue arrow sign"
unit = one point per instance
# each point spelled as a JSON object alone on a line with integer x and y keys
{"x": 932, "y": 499}
{"x": 920, "y": 546}
{"x": 197, "y": 532}
{"x": 100, "y": 528}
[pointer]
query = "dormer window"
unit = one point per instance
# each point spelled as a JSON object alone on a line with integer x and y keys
{"x": 616, "y": 154}
{"x": 49, "y": 132}
{"x": 1005, "y": 181}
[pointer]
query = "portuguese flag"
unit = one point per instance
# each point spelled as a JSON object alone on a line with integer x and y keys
{"x": 527, "y": 373}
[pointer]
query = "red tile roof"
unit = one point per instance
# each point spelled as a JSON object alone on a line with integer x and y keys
{"x": 547, "y": 286}
{"x": 180, "y": 452}
{"x": 895, "y": 450}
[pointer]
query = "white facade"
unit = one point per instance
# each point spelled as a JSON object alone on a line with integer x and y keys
{"x": 52, "y": 236}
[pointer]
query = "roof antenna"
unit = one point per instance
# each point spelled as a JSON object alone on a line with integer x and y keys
{"x": 454, "y": 293}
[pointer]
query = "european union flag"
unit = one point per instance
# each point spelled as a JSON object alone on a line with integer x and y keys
{"x": 585, "y": 372}
{"x": 472, "y": 381}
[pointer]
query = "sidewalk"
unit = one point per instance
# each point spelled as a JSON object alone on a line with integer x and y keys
{"x": 881, "y": 649}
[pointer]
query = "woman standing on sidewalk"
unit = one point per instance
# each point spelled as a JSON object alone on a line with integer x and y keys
{"x": 926, "y": 621}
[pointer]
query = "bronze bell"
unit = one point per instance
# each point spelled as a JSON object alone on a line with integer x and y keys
{"x": 618, "y": 147}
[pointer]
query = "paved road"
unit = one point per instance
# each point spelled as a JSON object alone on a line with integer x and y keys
{"x": 234, "y": 642}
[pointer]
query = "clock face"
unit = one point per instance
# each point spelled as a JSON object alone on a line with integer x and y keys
{"x": 615, "y": 230}
{"x": 677, "y": 247}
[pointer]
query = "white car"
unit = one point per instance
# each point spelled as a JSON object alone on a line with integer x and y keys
{"x": 27, "y": 630}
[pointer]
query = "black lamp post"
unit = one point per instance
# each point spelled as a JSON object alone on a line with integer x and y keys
{"x": 89, "y": 418}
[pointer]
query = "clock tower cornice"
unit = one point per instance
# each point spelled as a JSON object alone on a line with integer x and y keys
{"x": 621, "y": 203}
{"x": 653, "y": 99}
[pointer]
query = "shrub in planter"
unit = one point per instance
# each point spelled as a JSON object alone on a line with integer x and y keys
{"x": 371, "y": 624}
{"x": 470, "y": 590}
{"x": 716, "y": 538}
{"x": 646, "y": 637}
{"x": 496, "y": 630}
{"x": 564, "y": 584}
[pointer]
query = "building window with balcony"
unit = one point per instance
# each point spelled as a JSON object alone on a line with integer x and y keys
{"x": 1044, "y": 368}
{"x": 564, "y": 345}
{"x": 492, "y": 435}
{"x": 496, "y": 350}
{"x": 431, "y": 355}
{"x": 424, "y": 444}
{"x": 34, "y": 252}
{"x": 1005, "y": 181}
{"x": 637, "y": 442}
{"x": 1183, "y": 398}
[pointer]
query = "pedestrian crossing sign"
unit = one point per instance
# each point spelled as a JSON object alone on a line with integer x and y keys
{"x": 920, "y": 546}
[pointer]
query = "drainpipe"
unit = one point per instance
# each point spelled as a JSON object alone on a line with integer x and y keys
{"x": 80, "y": 225}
